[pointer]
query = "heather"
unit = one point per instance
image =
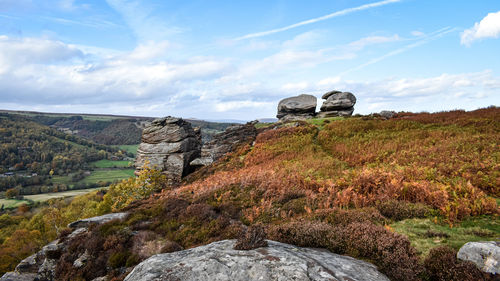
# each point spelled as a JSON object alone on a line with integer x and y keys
{"x": 403, "y": 193}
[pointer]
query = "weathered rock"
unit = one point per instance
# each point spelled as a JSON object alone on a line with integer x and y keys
{"x": 219, "y": 261}
{"x": 486, "y": 255}
{"x": 227, "y": 141}
{"x": 339, "y": 101}
{"x": 302, "y": 105}
{"x": 97, "y": 220}
{"x": 202, "y": 161}
{"x": 328, "y": 94}
{"x": 169, "y": 144}
{"x": 334, "y": 113}
{"x": 15, "y": 276}
{"x": 386, "y": 114}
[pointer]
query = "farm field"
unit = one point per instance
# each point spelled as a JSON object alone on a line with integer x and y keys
{"x": 131, "y": 148}
{"x": 12, "y": 203}
{"x": 112, "y": 164}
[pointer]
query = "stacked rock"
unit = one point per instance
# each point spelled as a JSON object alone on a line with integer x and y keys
{"x": 337, "y": 103}
{"x": 297, "y": 108}
{"x": 169, "y": 144}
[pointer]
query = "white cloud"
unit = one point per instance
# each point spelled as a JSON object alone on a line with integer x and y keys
{"x": 488, "y": 27}
{"x": 372, "y": 40}
{"x": 19, "y": 51}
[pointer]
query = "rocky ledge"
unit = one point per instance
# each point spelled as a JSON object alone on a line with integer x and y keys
{"x": 219, "y": 261}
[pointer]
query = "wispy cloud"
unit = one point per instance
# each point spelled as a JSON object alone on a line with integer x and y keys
{"x": 318, "y": 19}
{"x": 428, "y": 38}
{"x": 95, "y": 23}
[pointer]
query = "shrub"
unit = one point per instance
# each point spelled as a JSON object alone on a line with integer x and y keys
{"x": 170, "y": 247}
{"x": 400, "y": 210}
{"x": 442, "y": 265}
{"x": 118, "y": 259}
{"x": 254, "y": 237}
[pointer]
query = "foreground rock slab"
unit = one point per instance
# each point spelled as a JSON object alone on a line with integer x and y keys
{"x": 486, "y": 255}
{"x": 219, "y": 261}
{"x": 97, "y": 220}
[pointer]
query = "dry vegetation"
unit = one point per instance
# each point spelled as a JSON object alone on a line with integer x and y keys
{"x": 338, "y": 185}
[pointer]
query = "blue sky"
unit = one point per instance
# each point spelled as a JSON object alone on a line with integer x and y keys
{"x": 237, "y": 59}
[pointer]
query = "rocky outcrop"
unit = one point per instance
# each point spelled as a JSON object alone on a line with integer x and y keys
{"x": 169, "y": 144}
{"x": 297, "y": 108}
{"x": 97, "y": 220}
{"x": 219, "y": 261}
{"x": 337, "y": 104}
{"x": 42, "y": 265}
{"x": 225, "y": 142}
{"x": 486, "y": 255}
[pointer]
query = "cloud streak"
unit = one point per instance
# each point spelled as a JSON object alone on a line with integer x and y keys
{"x": 318, "y": 19}
{"x": 432, "y": 36}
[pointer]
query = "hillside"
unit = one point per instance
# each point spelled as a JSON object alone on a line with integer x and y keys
{"x": 37, "y": 159}
{"x": 403, "y": 193}
{"x": 108, "y": 129}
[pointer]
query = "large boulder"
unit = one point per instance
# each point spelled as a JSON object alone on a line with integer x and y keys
{"x": 169, "y": 144}
{"x": 219, "y": 261}
{"x": 299, "y": 107}
{"x": 337, "y": 104}
{"x": 230, "y": 139}
{"x": 486, "y": 255}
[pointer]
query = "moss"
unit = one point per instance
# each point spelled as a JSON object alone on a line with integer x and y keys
{"x": 118, "y": 259}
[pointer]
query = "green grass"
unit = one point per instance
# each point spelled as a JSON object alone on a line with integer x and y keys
{"x": 47, "y": 196}
{"x": 12, "y": 203}
{"x": 103, "y": 174}
{"x": 111, "y": 164}
{"x": 131, "y": 148}
{"x": 262, "y": 125}
{"x": 472, "y": 229}
{"x": 321, "y": 121}
{"x": 108, "y": 175}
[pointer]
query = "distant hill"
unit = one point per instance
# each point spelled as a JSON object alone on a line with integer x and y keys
{"x": 110, "y": 129}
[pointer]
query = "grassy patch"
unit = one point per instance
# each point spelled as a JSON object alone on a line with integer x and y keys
{"x": 12, "y": 203}
{"x": 71, "y": 193}
{"x": 262, "y": 125}
{"x": 424, "y": 234}
{"x": 108, "y": 175}
{"x": 321, "y": 121}
{"x": 111, "y": 164}
{"x": 131, "y": 148}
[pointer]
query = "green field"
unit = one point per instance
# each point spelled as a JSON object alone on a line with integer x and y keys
{"x": 132, "y": 148}
{"x": 111, "y": 164}
{"x": 105, "y": 175}
{"x": 108, "y": 175}
{"x": 12, "y": 203}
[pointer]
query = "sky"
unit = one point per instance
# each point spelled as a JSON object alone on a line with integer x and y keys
{"x": 234, "y": 59}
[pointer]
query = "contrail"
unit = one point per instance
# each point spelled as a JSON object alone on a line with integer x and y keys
{"x": 430, "y": 37}
{"x": 329, "y": 16}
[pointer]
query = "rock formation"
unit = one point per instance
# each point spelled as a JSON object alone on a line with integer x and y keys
{"x": 337, "y": 104}
{"x": 278, "y": 261}
{"x": 486, "y": 255}
{"x": 169, "y": 144}
{"x": 225, "y": 142}
{"x": 42, "y": 265}
{"x": 297, "y": 108}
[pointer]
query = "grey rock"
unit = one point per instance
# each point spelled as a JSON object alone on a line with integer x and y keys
{"x": 335, "y": 113}
{"x": 295, "y": 117}
{"x": 81, "y": 260}
{"x": 302, "y": 104}
{"x": 328, "y": 94}
{"x": 387, "y": 114}
{"x": 229, "y": 140}
{"x": 219, "y": 261}
{"x": 28, "y": 265}
{"x": 15, "y": 276}
{"x": 486, "y": 255}
{"x": 97, "y": 220}
{"x": 102, "y": 278}
{"x": 202, "y": 161}
{"x": 339, "y": 101}
{"x": 169, "y": 144}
